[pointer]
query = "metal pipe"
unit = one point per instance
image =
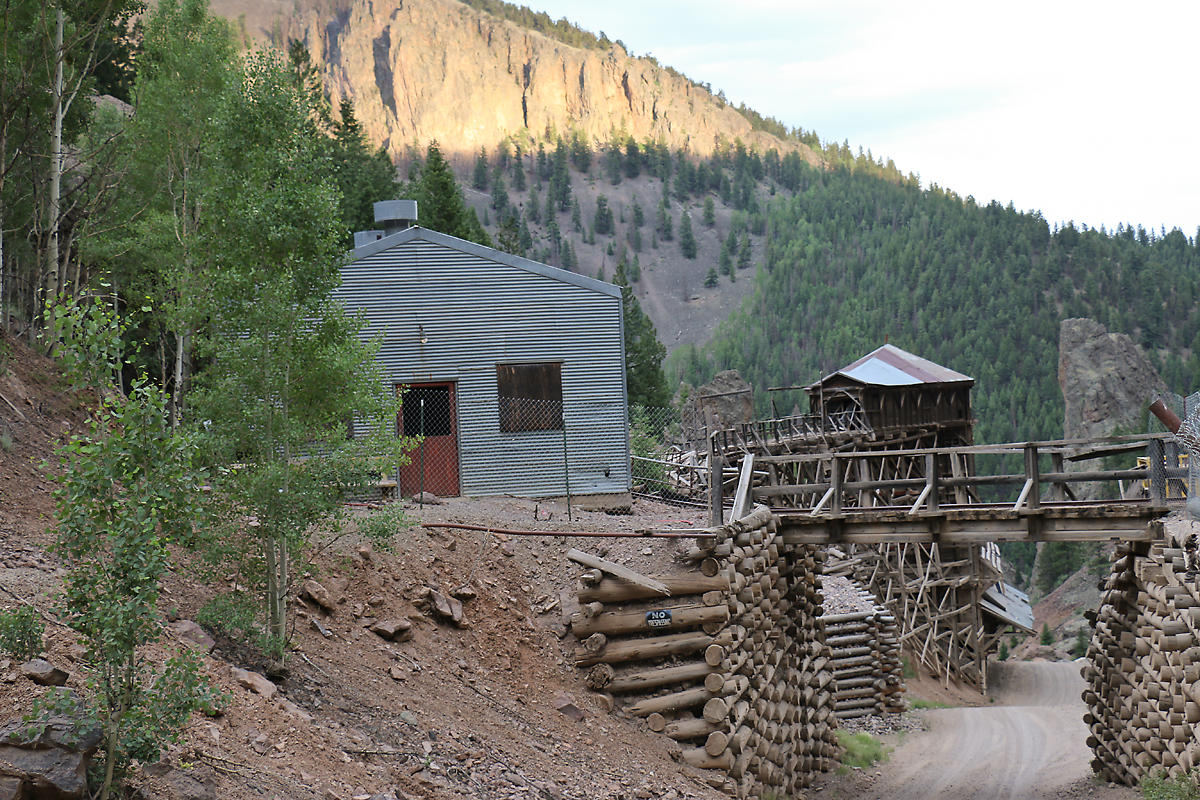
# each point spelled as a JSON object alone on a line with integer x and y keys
{"x": 1165, "y": 415}
{"x": 589, "y": 534}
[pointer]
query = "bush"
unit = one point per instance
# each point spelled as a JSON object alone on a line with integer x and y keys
{"x": 21, "y": 633}
{"x": 1047, "y": 637}
{"x": 1157, "y": 786}
{"x": 862, "y": 749}
{"x": 1003, "y": 652}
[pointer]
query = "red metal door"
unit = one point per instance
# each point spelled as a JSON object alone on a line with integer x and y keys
{"x": 427, "y": 413}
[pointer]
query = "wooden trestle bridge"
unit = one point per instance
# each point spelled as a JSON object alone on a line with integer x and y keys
{"x": 915, "y": 525}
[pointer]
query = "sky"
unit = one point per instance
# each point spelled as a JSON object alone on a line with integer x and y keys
{"x": 1082, "y": 111}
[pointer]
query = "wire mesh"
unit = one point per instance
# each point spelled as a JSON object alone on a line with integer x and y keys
{"x": 669, "y": 454}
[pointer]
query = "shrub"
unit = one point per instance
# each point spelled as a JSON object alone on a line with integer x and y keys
{"x": 862, "y": 749}
{"x": 1047, "y": 637}
{"x": 1157, "y": 786}
{"x": 1003, "y": 652}
{"x": 21, "y": 633}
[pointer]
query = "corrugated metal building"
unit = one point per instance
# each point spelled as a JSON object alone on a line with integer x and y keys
{"x": 514, "y": 370}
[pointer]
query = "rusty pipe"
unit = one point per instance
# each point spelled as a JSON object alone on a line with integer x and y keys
{"x": 1165, "y": 415}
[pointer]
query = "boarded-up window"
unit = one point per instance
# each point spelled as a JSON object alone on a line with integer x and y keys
{"x": 530, "y": 397}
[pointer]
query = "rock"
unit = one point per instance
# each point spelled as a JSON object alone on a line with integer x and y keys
{"x": 398, "y": 673}
{"x": 47, "y": 772}
{"x": 254, "y": 682}
{"x": 318, "y": 594}
{"x": 11, "y": 788}
{"x": 446, "y": 607}
{"x": 427, "y": 499}
{"x": 290, "y": 708}
{"x": 396, "y": 630}
{"x": 192, "y": 635}
{"x": 179, "y": 785}
{"x": 721, "y": 403}
{"x": 565, "y": 705}
{"x": 364, "y": 552}
{"x": 1106, "y": 380}
{"x": 464, "y": 593}
{"x": 43, "y": 673}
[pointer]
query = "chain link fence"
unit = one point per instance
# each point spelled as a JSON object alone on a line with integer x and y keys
{"x": 669, "y": 453}
{"x": 1177, "y": 454}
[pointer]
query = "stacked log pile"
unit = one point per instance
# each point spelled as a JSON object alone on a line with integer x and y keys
{"x": 742, "y": 678}
{"x": 1143, "y": 670}
{"x": 864, "y": 643}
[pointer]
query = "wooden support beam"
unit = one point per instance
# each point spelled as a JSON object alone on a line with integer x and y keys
{"x": 624, "y": 573}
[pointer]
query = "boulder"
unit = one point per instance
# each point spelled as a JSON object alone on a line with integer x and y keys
{"x": 254, "y": 682}
{"x": 565, "y": 705}
{"x": 723, "y": 402}
{"x": 1106, "y": 380}
{"x": 314, "y": 591}
{"x": 46, "y": 761}
{"x": 44, "y": 673}
{"x": 394, "y": 629}
{"x": 192, "y": 635}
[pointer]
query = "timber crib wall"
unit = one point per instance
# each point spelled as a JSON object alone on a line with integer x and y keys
{"x": 732, "y": 664}
{"x": 1143, "y": 668}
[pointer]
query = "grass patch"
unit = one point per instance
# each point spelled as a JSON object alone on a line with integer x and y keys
{"x": 907, "y": 668}
{"x": 1157, "y": 786}
{"x": 917, "y": 702}
{"x": 862, "y": 749}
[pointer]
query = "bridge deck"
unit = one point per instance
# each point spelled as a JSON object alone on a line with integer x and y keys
{"x": 1126, "y": 520}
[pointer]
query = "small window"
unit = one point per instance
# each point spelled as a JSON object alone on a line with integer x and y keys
{"x": 426, "y": 411}
{"x": 530, "y": 397}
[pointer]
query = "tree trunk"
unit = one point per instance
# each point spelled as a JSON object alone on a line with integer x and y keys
{"x": 58, "y": 111}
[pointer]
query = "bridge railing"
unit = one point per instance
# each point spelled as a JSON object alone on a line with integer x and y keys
{"x": 923, "y": 481}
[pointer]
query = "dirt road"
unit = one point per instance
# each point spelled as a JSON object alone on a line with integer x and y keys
{"x": 1029, "y": 744}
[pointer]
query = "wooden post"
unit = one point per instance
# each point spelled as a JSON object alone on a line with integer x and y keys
{"x": 716, "y": 488}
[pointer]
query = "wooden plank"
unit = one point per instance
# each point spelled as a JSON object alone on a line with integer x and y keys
{"x": 742, "y": 501}
{"x": 624, "y": 573}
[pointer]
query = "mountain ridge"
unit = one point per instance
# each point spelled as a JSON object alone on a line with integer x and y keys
{"x": 441, "y": 70}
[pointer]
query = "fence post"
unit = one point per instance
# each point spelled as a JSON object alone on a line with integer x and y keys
{"x": 566, "y": 462}
{"x": 421, "y": 483}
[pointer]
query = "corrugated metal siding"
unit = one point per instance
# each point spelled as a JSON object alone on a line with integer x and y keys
{"x": 475, "y": 313}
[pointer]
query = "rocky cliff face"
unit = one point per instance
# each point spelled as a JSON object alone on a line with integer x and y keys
{"x": 419, "y": 70}
{"x": 1106, "y": 379}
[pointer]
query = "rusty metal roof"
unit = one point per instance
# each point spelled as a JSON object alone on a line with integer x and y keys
{"x": 891, "y": 366}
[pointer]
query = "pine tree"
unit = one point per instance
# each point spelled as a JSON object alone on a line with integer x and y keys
{"x": 712, "y": 279}
{"x": 744, "y": 254}
{"x": 441, "y": 202}
{"x": 499, "y": 191}
{"x": 479, "y": 178}
{"x": 603, "y": 220}
{"x": 645, "y": 382}
{"x": 710, "y": 212}
{"x": 687, "y": 239}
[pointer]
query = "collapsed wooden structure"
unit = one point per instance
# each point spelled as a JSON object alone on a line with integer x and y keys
{"x": 728, "y": 658}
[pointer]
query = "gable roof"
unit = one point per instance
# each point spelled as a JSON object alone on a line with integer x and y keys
{"x": 891, "y": 366}
{"x": 416, "y": 233}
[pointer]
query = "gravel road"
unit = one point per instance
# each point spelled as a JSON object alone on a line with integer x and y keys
{"x": 1029, "y": 744}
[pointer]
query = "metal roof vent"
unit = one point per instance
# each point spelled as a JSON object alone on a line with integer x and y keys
{"x": 396, "y": 215}
{"x": 364, "y": 238}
